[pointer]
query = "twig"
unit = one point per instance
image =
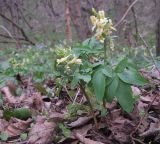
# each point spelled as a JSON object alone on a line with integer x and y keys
{"x": 144, "y": 116}
{"x": 125, "y": 14}
{"x": 70, "y": 99}
{"x": 137, "y": 140}
{"x": 147, "y": 47}
{"x": 76, "y": 96}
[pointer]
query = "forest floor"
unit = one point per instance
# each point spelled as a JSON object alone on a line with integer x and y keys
{"x": 117, "y": 127}
{"x": 34, "y": 118}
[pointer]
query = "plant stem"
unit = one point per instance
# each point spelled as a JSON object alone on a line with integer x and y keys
{"x": 105, "y": 51}
{"x": 90, "y": 105}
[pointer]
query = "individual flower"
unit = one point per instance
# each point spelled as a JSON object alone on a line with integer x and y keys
{"x": 61, "y": 60}
{"x": 75, "y": 60}
{"x": 101, "y": 14}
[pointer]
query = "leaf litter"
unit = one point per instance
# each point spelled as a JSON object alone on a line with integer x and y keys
{"x": 47, "y": 113}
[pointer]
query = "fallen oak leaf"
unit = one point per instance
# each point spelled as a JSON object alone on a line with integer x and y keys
{"x": 42, "y": 132}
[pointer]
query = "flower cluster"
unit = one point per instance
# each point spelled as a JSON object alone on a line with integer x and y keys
{"x": 69, "y": 60}
{"x": 101, "y": 25}
{"x": 66, "y": 57}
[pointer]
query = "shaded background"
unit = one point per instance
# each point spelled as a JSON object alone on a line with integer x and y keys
{"x": 44, "y": 21}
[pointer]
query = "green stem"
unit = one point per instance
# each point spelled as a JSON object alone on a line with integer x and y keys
{"x": 90, "y": 104}
{"x": 105, "y": 51}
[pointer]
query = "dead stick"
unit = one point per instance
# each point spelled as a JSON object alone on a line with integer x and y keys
{"x": 147, "y": 47}
{"x": 144, "y": 116}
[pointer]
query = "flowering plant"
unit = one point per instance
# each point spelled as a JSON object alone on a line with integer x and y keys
{"x": 83, "y": 66}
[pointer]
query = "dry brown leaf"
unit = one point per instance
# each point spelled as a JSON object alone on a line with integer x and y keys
{"x": 83, "y": 131}
{"x": 80, "y": 122}
{"x": 3, "y": 124}
{"x": 57, "y": 117}
{"x": 16, "y": 127}
{"x": 84, "y": 140}
{"x": 1, "y": 113}
{"x": 42, "y": 132}
{"x": 9, "y": 99}
{"x": 34, "y": 101}
{"x": 136, "y": 91}
{"x": 146, "y": 99}
{"x": 121, "y": 128}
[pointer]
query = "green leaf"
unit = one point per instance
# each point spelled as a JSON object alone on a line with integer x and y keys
{"x": 4, "y": 136}
{"x": 65, "y": 130}
{"x": 77, "y": 77}
{"x": 99, "y": 84}
{"x": 121, "y": 65}
{"x": 85, "y": 78}
{"x": 74, "y": 82}
{"x": 124, "y": 96}
{"x": 1, "y": 100}
{"x": 107, "y": 71}
{"x": 21, "y": 113}
{"x": 40, "y": 88}
{"x": 23, "y": 136}
{"x": 132, "y": 77}
{"x": 4, "y": 65}
{"x": 111, "y": 89}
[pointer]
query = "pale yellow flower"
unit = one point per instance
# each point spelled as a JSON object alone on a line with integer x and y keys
{"x": 94, "y": 21}
{"x": 103, "y": 25}
{"x": 62, "y": 59}
{"x": 75, "y": 60}
{"x": 101, "y": 14}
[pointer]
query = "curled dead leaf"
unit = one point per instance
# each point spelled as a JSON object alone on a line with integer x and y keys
{"x": 80, "y": 122}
